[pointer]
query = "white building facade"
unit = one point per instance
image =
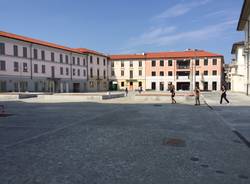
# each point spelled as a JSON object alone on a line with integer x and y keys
{"x": 36, "y": 66}
{"x": 244, "y": 25}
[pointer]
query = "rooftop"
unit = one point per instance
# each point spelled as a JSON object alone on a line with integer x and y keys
{"x": 160, "y": 55}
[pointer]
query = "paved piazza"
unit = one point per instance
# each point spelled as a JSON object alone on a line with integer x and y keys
{"x": 126, "y": 140}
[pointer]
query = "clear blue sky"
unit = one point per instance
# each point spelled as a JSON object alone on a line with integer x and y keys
{"x": 127, "y": 26}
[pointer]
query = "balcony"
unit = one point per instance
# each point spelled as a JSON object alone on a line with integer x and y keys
{"x": 183, "y": 64}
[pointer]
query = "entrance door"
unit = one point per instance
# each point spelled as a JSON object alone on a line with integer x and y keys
{"x": 131, "y": 86}
{"x": 76, "y": 87}
{"x": 205, "y": 86}
{"x": 185, "y": 86}
{"x": 161, "y": 86}
{"x": 98, "y": 85}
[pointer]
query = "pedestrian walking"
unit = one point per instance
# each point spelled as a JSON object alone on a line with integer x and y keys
{"x": 140, "y": 89}
{"x": 126, "y": 91}
{"x": 172, "y": 91}
{"x": 197, "y": 95}
{"x": 223, "y": 95}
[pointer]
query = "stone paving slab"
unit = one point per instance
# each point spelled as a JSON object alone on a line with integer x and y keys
{"x": 120, "y": 143}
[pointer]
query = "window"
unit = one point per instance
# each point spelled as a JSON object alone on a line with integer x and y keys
{"x": 16, "y": 66}
{"x": 112, "y": 64}
{"x": 131, "y": 63}
{"x": 161, "y": 73}
{"x": 2, "y": 49}
{"x": 84, "y": 73}
{"x": 140, "y": 84}
{"x": 122, "y": 84}
{"x": 140, "y": 72}
{"x": 67, "y": 71}
{"x": 52, "y": 56}
{"x": 78, "y": 61}
{"x": 35, "y": 54}
{"x": 205, "y": 72}
{"x": 43, "y": 55}
{"x": 214, "y": 72}
{"x": 112, "y": 73}
{"x": 122, "y": 72}
{"x": 197, "y": 73}
{"x": 153, "y": 85}
{"x": 214, "y": 61}
{"x": 161, "y": 62}
{"x": 15, "y": 48}
{"x": 2, "y": 66}
{"x": 104, "y": 74}
{"x": 61, "y": 58}
{"x": 25, "y": 67}
{"x": 61, "y": 70}
{"x": 104, "y": 62}
{"x": 205, "y": 62}
{"x": 170, "y": 63}
{"x": 91, "y": 59}
{"x": 43, "y": 69}
{"x": 153, "y": 63}
{"x": 66, "y": 59}
{"x": 35, "y": 68}
{"x": 91, "y": 72}
{"x": 73, "y": 60}
{"x": 25, "y": 52}
{"x": 84, "y": 62}
{"x": 153, "y": 73}
{"x": 197, "y": 62}
{"x": 131, "y": 74}
{"x": 140, "y": 63}
{"x": 122, "y": 64}
{"x": 98, "y": 61}
{"x": 74, "y": 72}
{"x": 78, "y": 72}
{"x": 170, "y": 73}
{"x": 98, "y": 73}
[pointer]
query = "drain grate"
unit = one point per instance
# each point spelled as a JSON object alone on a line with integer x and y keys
{"x": 195, "y": 159}
{"x": 174, "y": 142}
{"x": 220, "y": 172}
{"x": 5, "y": 115}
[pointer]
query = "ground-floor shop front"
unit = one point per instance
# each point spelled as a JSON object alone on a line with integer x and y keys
{"x": 50, "y": 85}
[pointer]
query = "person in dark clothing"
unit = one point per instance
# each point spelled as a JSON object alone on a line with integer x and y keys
{"x": 172, "y": 91}
{"x": 126, "y": 91}
{"x": 223, "y": 94}
{"x": 197, "y": 95}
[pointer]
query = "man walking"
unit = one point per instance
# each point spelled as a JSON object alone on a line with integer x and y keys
{"x": 197, "y": 95}
{"x": 223, "y": 94}
{"x": 172, "y": 91}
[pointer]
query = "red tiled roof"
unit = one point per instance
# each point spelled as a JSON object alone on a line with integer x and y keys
{"x": 39, "y": 42}
{"x": 88, "y": 51}
{"x": 160, "y": 55}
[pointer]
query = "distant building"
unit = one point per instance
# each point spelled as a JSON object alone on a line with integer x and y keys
{"x": 154, "y": 71}
{"x": 238, "y": 69}
{"x": 32, "y": 65}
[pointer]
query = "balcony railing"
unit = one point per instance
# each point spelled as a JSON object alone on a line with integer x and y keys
{"x": 183, "y": 67}
{"x": 183, "y": 77}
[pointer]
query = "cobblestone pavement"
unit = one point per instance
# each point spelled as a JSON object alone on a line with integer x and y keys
{"x": 117, "y": 143}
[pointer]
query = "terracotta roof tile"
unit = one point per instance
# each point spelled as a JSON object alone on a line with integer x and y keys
{"x": 39, "y": 42}
{"x": 161, "y": 55}
{"x": 84, "y": 50}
